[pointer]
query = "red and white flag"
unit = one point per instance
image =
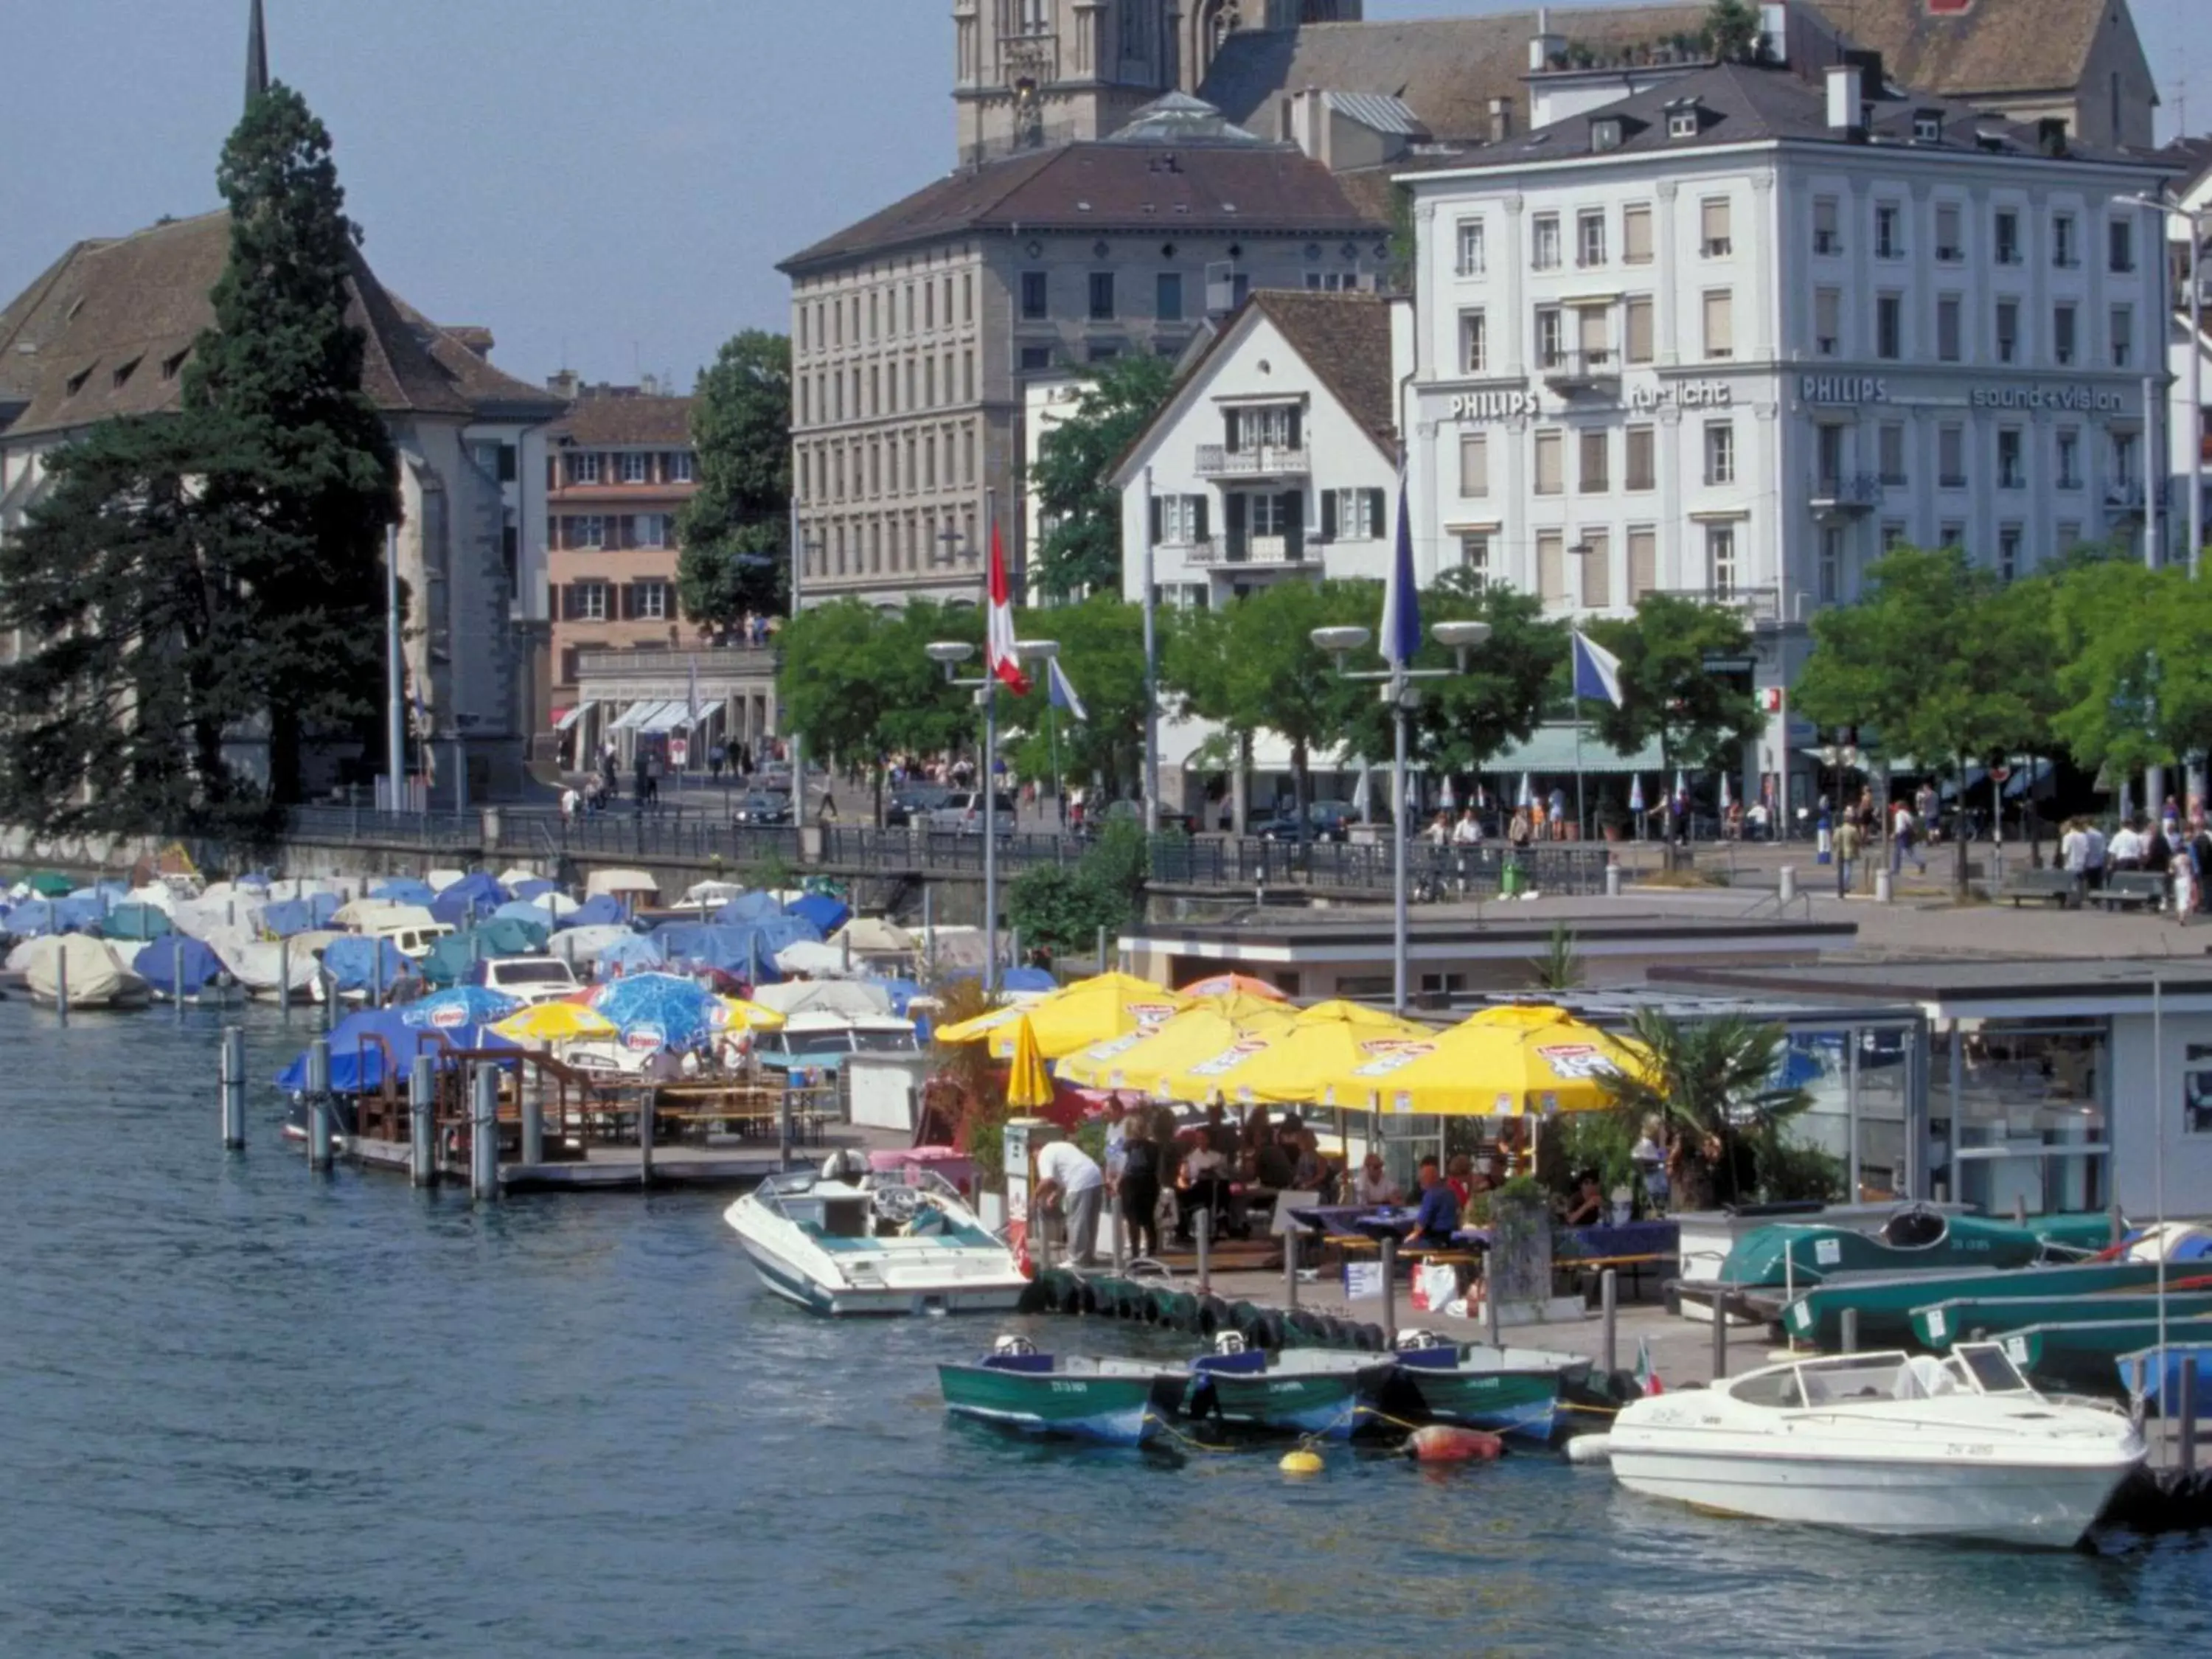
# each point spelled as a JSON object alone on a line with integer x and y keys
{"x": 999, "y": 646}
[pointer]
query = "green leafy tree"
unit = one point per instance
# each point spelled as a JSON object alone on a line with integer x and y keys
{"x": 1732, "y": 31}
{"x": 116, "y": 716}
{"x": 1062, "y": 908}
{"x": 297, "y": 467}
{"x": 735, "y": 532}
{"x": 1082, "y": 551}
{"x": 1936, "y": 657}
{"x": 1711, "y": 1083}
{"x": 1102, "y": 652}
{"x": 858, "y": 683}
{"x": 1666, "y": 691}
{"x": 1252, "y": 667}
{"x": 2134, "y": 681}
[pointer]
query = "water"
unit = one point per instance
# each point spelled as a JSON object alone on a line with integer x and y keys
{"x": 248, "y": 1413}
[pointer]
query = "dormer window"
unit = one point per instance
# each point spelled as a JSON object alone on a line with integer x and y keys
{"x": 171, "y": 366}
{"x": 1927, "y": 126}
{"x": 1682, "y": 119}
{"x": 123, "y": 374}
{"x": 76, "y": 382}
{"x": 1605, "y": 135}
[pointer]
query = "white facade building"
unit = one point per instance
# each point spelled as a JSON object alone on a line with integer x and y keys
{"x": 1733, "y": 336}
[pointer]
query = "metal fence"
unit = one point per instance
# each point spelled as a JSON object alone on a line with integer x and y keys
{"x": 439, "y": 831}
{"x": 1365, "y": 866}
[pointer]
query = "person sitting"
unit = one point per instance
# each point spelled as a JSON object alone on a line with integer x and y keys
{"x": 1438, "y": 1217}
{"x": 1311, "y": 1173}
{"x": 1272, "y": 1166}
{"x": 1459, "y": 1175}
{"x": 1372, "y": 1187}
{"x": 1204, "y": 1185}
{"x": 1587, "y": 1207}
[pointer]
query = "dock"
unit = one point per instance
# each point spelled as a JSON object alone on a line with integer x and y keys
{"x": 734, "y": 1165}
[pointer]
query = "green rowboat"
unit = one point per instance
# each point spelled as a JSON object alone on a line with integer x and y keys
{"x": 2086, "y": 1353}
{"x": 1885, "y": 1301}
{"x": 1121, "y": 1402}
{"x": 1504, "y": 1390}
{"x": 1915, "y": 1239}
{"x": 1300, "y": 1390}
{"x": 1979, "y": 1318}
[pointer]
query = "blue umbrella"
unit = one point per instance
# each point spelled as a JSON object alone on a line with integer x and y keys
{"x": 657, "y": 1010}
{"x": 827, "y": 914}
{"x": 460, "y": 1005}
{"x": 176, "y": 967}
{"x": 403, "y": 891}
{"x": 636, "y": 954}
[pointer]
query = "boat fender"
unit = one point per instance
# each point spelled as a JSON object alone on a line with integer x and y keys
{"x": 1181, "y": 1312}
{"x": 1370, "y": 1339}
{"x": 1037, "y": 1298}
{"x": 1310, "y": 1329}
{"x": 1076, "y": 1296}
{"x": 1267, "y": 1330}
{"x": 1441, "y": 1442}
{"x": 1244, "y": 1317}
{"x": 1304, "y": 1461}
{"x": 1157, "y": 1301}
{"x": 1213, "y": 1316}
{"x": 1591, "y": 1449}
{"x": 1335, "y": 1332}
{"x": 1132, "y": 1303}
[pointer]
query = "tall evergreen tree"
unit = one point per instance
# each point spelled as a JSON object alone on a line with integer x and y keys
{"x": 298, "y": 467}
{"x": 735, "y": 533}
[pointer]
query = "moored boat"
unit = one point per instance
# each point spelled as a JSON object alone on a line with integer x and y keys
{"x": 86, "y": 972}
{"x": 1885, "y": 1301}
{"x": 1917, "y": 1238}
{"x": 1121, "y": 1402}
{"x": 1978, "y": 1318}
{"x": 2088, "y": 1353}
{"x": 852, "y": 1240}
{"x": 1512, "y": 1391}
{"x": 1889, "y": 1443}
{"x": 1299, "y": 1390}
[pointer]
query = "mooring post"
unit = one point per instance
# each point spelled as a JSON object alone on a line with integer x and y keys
{"x": 2186, "y": 1389}
{"x": 284, "y": 977}
{"x": 1290, "y": 1270}
{"x": 1102, "y": 947}
{"x": 783, "y": 1126}
{"x": 1389, "y": 1292}
{"x": 234, "y": 1087}
{"x": 928, "y": 937}
{"x": 1608, "y": 1302}
{"x": 645, "y": 1108}
{"x": 61, "y": 982}
{"x": 1489, "y": 1314}
{"x": 2019, "y": 1210}
{"x": 319, "y": 1104}
{"x": 1121, "y": 1240}
{"x": 422, "y": 1123}
{"x": 1851, "y": 1339}
{"x": 1205, "y": 1223}
{"x": 483, "y": 1137}
{"x": 329, "y": 982}
{"x": 177, "y": 976}
{"x": 1720, "y": 1337}
{"x": 533, "y": 1124}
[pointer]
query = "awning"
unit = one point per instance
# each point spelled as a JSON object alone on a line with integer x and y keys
{"x": 667, "y": 718}
{"x": 1551, "y": 748}
{"x": 634, "y": 717}
{"x": 569, "y": 720}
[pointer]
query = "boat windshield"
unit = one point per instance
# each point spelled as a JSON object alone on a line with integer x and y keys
{"x": 1986, "y": 1368}
{"x": 921, "y": 1179}
{"x": 1860, "y": 1376}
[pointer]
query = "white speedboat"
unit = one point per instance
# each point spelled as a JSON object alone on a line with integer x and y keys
{"x": 1884, "y": 1443}
{"x": 852, "y": 1240}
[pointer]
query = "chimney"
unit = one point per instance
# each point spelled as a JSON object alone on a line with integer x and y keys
{"x": 1501, "y": 119}
{"x": 1845, "y": 107}
{"x": 1309, "y": 123}
{"x": 563, "y": 384}
{"x": 1545, "y": 46}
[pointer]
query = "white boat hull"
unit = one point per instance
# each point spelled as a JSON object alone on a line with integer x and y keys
{"x": 878, "y": 1276}
{"x": 2026, "y": 1504}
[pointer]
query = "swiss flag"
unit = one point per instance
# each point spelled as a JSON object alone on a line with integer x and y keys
{"x": 998, "y": 648}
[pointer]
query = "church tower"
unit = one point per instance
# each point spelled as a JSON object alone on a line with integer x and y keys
{"x": 1032, "y": 74}
{"x": 257, "y": 54}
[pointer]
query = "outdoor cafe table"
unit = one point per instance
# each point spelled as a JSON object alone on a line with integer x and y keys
{"x": 1637, "y": 1238}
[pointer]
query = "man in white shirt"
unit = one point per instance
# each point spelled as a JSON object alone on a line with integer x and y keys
{"x": 1065, "y": 1172}
{"x": 2125, "y": 850}
{"x": 1467, "y": 832}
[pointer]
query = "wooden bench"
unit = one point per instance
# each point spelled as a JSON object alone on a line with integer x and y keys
{"x": 2127, "y": 890}
{"x": 2048, "y": 885}
{"x": 1595, "y": 1264}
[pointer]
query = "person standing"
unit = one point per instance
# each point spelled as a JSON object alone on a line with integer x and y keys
{"x": 1138, "y": 1185}
{"x": 1847, "y": 850}
{"x": 2094, "y": 856}
{"x": 1066, "y": 1172}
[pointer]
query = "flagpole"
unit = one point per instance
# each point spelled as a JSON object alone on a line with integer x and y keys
{"x": 1052, "y": 735}
{"x": 1582, "y": 822}
{"x": 990, "y": 780}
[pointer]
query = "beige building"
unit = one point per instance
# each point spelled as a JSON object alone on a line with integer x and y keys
{"x": 915, "y": 331}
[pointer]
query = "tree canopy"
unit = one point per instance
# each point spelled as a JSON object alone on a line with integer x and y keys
{"x": 1081, "y": 551}
{"x": 1102, "y": 652}
{"x": 2133, "y": 683}
{"x": 858, "y": 683}
{"x": 1668, "y": 691}
{"x": 735, "y": 533}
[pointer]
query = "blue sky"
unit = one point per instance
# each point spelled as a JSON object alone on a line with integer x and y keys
{"x": 606, "y": 186}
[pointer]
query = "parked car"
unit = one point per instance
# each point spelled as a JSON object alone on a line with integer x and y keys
{"x": 913, "y": 803}
{"x": 1132, "y": 812}
{"x": 531, "y": 979}
{"x": 1326, "y": 820}
{"x": 963, "y": 813}
{"x": 762, "y": 807}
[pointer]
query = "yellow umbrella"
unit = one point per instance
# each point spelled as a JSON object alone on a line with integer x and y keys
{"x": 1284, "y": 1065}
{"x": 556, "y": 1022}
{"x": 1504, "y": 1062}
{"x": 739, "y": 1015}
{"x": 1029, "y": 1085}
{"x": 1149, "y": 1062}
{"x": 1074, "y": 1016}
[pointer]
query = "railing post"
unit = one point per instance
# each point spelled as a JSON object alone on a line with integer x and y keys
{"x": 1204, "y": 1220}
{"x": 533, "y": 1124}
{"x": 1609, "y": 1299}
{"x": 1389, "y": 1254}
{"x": 1291, "y": 1268}
{"x": 1720, "y": 1335}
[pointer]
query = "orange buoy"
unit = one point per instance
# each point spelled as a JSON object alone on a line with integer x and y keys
{"x": 1439, "y": 1442}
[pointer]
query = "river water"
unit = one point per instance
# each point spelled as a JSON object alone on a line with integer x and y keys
{"x": 250, "y": 1413}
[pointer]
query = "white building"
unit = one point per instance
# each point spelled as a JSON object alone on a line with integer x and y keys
{"x": 1276, "y": 455}
{"x": 1733, "y": 336}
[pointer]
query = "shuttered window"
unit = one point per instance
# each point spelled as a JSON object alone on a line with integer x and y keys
{"x": 1550, "y": 470}
{"x": 1720, "y": 323}
{"x": 1594, "y": 472}
{"x": 1473, "y": 464}
{"x": 1713, "y": 227}
{"x": 1551, "y": 566}
{"x": 1596, "y": 561}
{"x": 1639, "y": 329}
{"x": 1635, "y": 234}
{"x": 1642, "y": 563}
{"x": 1642, "y": 469}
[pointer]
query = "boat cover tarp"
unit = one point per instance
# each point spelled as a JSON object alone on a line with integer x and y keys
{"x": 580, "y": 947}
{"x": 134, "y": 921}
{"x": 168, "y": 963}
{"x": 827, "y": 914}
{"x": 732, "y": 949}
{"x": 260, "y": 966}
{"x": 357, "y": 1060}
{"x": 600, "y": 912}
{"x": 524, "y": 910}
{"x": 403, "y": 890}
{"x": 1027, "y": 981}
{"x": 825, "y": 996}
{"x": 472, "y": 895}
{"x": 751, "y": 906}
{"x": 452, "y": 956}
{"x": 356, "y": 963}
{"x": 96, "y": 973}
{"x": 533, "y": 888}
{"x": 633, "y": 953}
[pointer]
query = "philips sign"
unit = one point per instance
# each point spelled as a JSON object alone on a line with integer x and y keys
{"x": 1492, "y": 406}
{"x": 1843, "y": 389}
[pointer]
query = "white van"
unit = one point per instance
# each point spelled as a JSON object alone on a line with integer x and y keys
{"x": 531, "y": 979}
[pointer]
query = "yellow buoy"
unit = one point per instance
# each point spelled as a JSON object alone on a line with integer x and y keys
{"x": 1301, "y": 1462}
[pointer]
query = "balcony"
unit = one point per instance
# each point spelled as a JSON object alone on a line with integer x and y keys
{"x": 1581, "y": 371}
{"x": 2124, "y": 496}
{"x": 1760, "y": 607}
{"x": 1838, "y": 493}
{"x": 1254, "y": 461}
{"x": 1243, "y": 552}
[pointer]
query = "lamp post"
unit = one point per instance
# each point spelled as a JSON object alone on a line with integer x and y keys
{"x": 949, "y": 654}
{"x": 1402, "y": 694}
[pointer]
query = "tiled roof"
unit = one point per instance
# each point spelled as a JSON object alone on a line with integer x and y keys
{"x": 626, "y": 419}
{"x": 1446, "y": 69}
{"x": 1743, "y": 103}
{"x": 1346, "y": 339}
{"x": 111, "y": 324}
{"x": 1107, "y": 187}
{"x": 1985, "y": 47}
{"x": 2190, "y": 157}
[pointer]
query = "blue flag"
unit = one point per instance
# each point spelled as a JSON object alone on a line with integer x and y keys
{"x": 1402, "y": 604}
{"x": 1061, "y": 691}
{"x": 1597, "y": 671}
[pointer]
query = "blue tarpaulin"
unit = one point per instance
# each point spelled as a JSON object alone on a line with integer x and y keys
{"x": 403, "y": 891}
{"x": 1028, "y": 979}
{"x": 166, "y": 963}
{"x": 827, "y": 914}
{"x": 522, "y": 910}
{"x": 365, "y": 965}
{"x": 776, "y": 929}
{"x": 472, "y": 897}
{"x": 634, "y": 955}
{"x": 750, "y": 907}
{"x": 733, "y": 949}
{"x": 451, "y": 958}
{"x": 536, "y": 887}
{"x": 137, "y": 921}
{"x": 287, "y": 916}
{"x": 357, "y": 1060}
{"x": 601, "y": 912}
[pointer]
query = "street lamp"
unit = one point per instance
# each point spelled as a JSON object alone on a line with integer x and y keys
{"x": 1403, "y": 695}
{"x": 949, "y": 654}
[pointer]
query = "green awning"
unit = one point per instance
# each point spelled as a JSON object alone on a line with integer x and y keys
{"x": 1551, "y": 748}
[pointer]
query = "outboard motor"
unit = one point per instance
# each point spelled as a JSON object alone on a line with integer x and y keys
{"x": 1414, "y": 1341}
{"x": 845, "y": 1165}
{"x": 1008, "y": 1347}
{"x": 1229, "y": 1342}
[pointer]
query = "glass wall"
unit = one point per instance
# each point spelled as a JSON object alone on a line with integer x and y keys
{"x": 1859, "y": 1078}
{"x": 2018, "y": 1113}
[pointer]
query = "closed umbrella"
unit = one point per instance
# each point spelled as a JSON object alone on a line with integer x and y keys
{"x": 1029, "y": 1085}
